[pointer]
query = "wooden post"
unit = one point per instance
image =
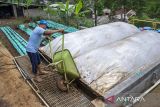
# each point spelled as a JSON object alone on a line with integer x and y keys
{"x": 14, "y": 11}
{"x": 95, "y": 12}
{"x": 23, "y": 11}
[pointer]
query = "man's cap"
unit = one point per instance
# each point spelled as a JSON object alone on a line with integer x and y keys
{"x": 44, "y": 22}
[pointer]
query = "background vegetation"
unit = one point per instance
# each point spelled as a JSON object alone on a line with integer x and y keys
{"x": 82, "y": 14}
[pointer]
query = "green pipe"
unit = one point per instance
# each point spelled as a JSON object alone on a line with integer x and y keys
{"x": 21, "y": 38}
{"x": 18, "y": 37}
{"x": 11, "y": 39}
{"x": 33, "y": 25}
{"x": 14, "y": 40}
{"x": 61, "y": 26}
{"x": 24, "y": 29}
{"x": 19, "y": 45}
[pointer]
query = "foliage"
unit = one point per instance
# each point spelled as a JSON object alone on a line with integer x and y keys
{"x": 153, "y": 8}
{"x": 88, "y": 22}
{"x": 113, "y": 5}
{"x": 143, "y": 8}
{"x": 84, "y": 21}
{"x": 79, "y": 13}
{"x": 100, "y": 7}
{"x": 79, "y": 6}
{"x": 137, "y": 5}
{"x": 63, "y": 11}
{"x": 68, "y": 13}
{"x": 27, "y": 4}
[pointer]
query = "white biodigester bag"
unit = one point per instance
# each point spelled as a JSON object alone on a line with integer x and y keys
{"x": 83, "y": 41}
{"x": 104, "y": 67}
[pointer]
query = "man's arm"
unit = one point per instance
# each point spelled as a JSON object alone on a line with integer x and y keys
{"x": 49, "y": 32}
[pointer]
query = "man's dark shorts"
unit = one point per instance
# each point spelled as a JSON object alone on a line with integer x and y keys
{"x": 35, "y": 61}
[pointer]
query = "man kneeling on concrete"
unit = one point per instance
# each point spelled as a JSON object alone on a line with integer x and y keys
{"x": 34, "y": 44}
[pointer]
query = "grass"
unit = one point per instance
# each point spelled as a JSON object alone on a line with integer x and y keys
{"x": 12, "y": 22}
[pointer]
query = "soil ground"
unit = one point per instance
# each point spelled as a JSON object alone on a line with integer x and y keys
{"x": 152, "y": 99}
{"x": 23, "y": 34}
{"x": 7, "y": 44}
{"x": 4, "y": 39}
{"x": 14, "y": 92}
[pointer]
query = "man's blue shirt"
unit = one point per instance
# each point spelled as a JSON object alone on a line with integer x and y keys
{"x": 35, "y": 40}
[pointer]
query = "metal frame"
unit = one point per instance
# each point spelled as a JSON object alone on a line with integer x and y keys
{"x": 29, "y": 82}
{"x": 154, "y": 23}
{"x": 136, "y": 84}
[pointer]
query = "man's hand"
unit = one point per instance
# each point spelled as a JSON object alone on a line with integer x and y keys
{"x": 62, "y": 31}
{"x": 49, "y": 38}
{"x": 49, "y": 32}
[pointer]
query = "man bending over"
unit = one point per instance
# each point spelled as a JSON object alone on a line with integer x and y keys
{"x": 34, "y": 44}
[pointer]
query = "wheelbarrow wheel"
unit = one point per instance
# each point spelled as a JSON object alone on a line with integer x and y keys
{"x": 61, "y": 85}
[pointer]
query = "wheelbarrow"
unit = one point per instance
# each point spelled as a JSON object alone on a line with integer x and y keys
{"x": 66, "y": 66}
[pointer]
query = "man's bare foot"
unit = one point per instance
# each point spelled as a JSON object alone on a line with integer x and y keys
{"x": 37, "y": 79}
{"x": 42, "y": 72}
{"x": 47, "y": 68}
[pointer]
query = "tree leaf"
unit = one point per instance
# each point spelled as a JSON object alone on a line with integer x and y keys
{"x": 61, "y": 6}
{"x": 78, "y": 7}
{"x": 71, "y": 9}
{"x": 67, "y": 5}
